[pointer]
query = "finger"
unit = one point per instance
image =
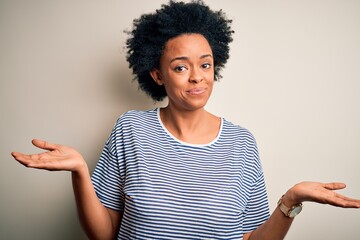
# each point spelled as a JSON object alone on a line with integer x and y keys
{"x": 19, "y": 157}
{"x": 27, "y": 158}
{"x": 349, "y": 199}
{"x": 24, "y": 158}
{"x": 39, "y": 161}
{"x": 345, "y": 202}
{"x": 334, "y": 186}
{"x": 44, "y": 145}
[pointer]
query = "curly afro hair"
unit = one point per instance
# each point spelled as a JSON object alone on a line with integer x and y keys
{"x": 151, "y": 32}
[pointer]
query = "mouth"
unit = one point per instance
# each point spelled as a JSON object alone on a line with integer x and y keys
{"x": 196, "y": 91}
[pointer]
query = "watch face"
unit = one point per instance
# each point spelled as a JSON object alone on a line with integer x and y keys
{"x": 295, "y": 211}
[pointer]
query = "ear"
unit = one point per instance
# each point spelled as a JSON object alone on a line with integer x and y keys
{"x": 156, "y": 75}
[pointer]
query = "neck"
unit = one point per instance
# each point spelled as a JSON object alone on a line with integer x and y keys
{"x": 182, "y": 121}
{"x": 195, "y": 126}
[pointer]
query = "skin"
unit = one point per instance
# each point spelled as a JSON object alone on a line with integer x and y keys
{"x": 98, "y": 221}
{"x": 186, "y": 71}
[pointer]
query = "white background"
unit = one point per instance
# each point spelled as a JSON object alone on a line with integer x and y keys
{"x": 293, "y": 79}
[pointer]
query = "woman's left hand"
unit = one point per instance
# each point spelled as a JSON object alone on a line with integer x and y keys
{"x": 321, "y": 193}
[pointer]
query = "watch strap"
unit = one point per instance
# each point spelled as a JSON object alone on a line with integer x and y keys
{"x": 288, "y": 211}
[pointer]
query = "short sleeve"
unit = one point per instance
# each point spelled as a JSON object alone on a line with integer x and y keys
{"x": 107, "y": 177}
{"x": 257, "y": 209}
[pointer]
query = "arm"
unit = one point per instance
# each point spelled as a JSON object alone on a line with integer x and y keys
{"x": 98, "y": 221}
{"x": 278, "y": 224}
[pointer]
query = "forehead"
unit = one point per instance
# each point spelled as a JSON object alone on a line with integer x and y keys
{"x": 187, "y": 44}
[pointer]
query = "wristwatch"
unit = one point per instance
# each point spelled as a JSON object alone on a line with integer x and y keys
{"x": 292, "y": 211}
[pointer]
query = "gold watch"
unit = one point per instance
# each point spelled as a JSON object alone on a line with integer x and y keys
{"x": 292, "y": 211}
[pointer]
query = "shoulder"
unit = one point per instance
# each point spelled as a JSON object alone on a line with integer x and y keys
{"x": 237, "y": 132}
{"x": 137, "y": 116}
{"x": 133, "y": 121}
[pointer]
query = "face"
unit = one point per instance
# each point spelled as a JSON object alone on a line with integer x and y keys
{"x": 186, "y": 71}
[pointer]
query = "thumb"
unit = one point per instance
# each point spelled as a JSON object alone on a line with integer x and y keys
{"x": 334, "y": 186}
{"x": 44, "y": 144}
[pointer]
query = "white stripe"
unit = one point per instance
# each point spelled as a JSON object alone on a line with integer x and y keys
{"x": 169, "y": 189}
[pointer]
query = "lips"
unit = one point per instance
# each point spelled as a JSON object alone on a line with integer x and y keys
{"x": 196, "y": 91}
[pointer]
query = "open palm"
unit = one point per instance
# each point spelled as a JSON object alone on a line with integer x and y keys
{"x": 56, "y": 158}
{"x": 324, "y": 193}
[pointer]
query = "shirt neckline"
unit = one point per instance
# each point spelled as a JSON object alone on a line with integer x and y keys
{"x": 186, "y": 143}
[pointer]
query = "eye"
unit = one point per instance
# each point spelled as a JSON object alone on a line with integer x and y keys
{"x": 206, "y": 65}
{"x": 180, "y": 68}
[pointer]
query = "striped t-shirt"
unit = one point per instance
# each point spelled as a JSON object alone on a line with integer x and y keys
{"x": 169, "y": 189}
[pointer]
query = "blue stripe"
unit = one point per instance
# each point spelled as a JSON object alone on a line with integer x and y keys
{"x": 169, "y": 189}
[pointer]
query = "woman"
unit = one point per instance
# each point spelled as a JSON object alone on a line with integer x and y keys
{"x": 179, "y": 172}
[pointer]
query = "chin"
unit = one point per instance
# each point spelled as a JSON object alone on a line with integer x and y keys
{"x": 196, "y": 105}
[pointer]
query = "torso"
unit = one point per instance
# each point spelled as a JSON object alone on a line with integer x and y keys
{"x": 177, "y": 190}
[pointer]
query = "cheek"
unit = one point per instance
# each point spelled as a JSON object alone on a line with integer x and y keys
{"x": 173, "y": 87}
{"x": 210, "y": 79}
{"x": 175, "y": 82}
{"x": 211, "y": 86}
{"x": 211, "y": 75}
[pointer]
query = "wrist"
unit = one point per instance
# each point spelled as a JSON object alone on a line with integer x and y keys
{"x": 290, "y": 204}
{"x": 288, "y": 209}
{"x": 293, "y": 196}
{"x": 81, "y": 169}
{"x": 289, "y": 198}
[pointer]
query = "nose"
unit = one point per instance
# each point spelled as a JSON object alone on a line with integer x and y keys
{"x": 195, "y": 76}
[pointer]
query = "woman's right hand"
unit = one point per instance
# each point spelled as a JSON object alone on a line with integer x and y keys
{"x": 56, "y": 158}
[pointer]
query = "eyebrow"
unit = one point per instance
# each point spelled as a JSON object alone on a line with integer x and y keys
{"x": 186, "y": 58}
